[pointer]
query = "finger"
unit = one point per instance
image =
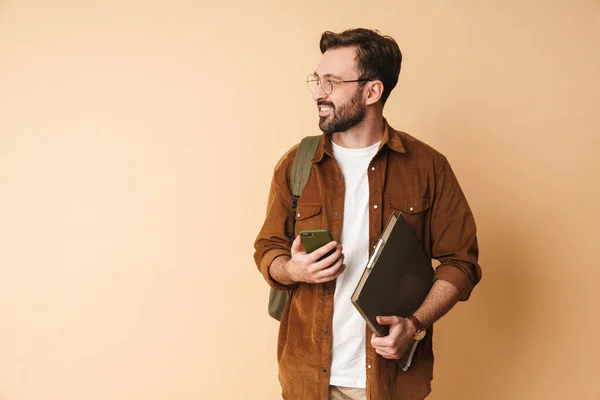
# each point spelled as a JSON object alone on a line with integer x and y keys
{"x": 329, "y": 260}
{"x": 321, "y": 268}
{"x": 380, "y": 342}
{"x": 340, "y": 271}
{"x": 384, "y": 346}
{"x": 387, "y": 354}
{"x": 388, "y": 320}
{"x": 375, "y": 341}
{"x": 331, "y": 273}
{"x": 321, "y": 251}
{"x": 381, "y": 352}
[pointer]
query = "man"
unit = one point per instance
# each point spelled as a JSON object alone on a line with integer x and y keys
{"x": 363, "y": 170}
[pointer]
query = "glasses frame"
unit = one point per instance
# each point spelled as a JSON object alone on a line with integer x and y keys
{"x": 313, "y": 78}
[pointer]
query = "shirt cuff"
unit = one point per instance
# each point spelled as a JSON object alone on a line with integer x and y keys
{"x": 455, "y": 275}
{"x": 266, "y": 263}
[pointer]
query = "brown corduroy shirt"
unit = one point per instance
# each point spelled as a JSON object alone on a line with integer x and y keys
{"x": 405, "y": 176}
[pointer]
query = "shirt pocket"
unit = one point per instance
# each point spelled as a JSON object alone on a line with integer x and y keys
{"x": 414, "y": 209}
{"x": 308, "y": 216}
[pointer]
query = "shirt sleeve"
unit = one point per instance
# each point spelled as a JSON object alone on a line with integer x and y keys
{"x": 453, "y": 231}
{"x": 273, "y": 240}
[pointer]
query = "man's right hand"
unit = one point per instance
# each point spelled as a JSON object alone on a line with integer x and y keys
{"x": 303, "y": 267}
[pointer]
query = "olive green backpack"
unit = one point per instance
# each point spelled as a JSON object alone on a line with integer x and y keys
{"x": 300, "y": 173}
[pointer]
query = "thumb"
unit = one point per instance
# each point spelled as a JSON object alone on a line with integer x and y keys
{"x": 296, "y": 245}
{"x": 388, "y": 320}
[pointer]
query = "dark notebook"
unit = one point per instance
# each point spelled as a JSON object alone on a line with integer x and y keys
{"x": 395, "y": 281}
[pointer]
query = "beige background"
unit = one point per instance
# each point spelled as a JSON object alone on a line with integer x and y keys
{"x": 137, "y": 142}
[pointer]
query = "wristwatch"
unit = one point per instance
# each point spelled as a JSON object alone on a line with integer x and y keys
{"x": 421, "y": 331}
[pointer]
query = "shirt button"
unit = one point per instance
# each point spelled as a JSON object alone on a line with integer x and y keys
{"x": 324, "y": 369}
{"x": 337, "y": 214}
{"x": 326, "y": 331}
{"x": 340, "y": 176}
{"x": 375, "y": 207}
{"x": 372, "y": 168}
{"x": 328, "y": 291}
{"x": 369, "y": 366}
{"x": 298, "y": 215}
{"x": 411, "y": 209}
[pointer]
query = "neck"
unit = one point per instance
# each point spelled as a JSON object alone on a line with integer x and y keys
{"x": 368, "y": 132}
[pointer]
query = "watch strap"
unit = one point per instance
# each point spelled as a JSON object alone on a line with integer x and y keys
{"x": 416, "y": 323}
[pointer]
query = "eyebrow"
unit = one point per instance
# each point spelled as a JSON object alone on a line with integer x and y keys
{"x": 329, "y": 76}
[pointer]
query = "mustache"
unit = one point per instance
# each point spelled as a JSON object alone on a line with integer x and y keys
{"x": 325, "y": 103}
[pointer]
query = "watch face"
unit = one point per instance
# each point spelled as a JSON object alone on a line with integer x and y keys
{"x": 420, "y": 335}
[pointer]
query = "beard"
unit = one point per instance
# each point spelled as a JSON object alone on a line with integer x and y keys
{"x": 342, "y": 118}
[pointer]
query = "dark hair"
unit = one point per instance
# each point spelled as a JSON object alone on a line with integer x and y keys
{"x": 377, "y": 56}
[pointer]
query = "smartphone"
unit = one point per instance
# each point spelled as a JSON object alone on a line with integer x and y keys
{"x": 312, "y": 239}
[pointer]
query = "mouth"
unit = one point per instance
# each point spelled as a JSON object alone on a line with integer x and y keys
{"x": 325, "y": 111}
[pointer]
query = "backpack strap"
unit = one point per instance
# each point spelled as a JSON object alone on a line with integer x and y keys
{"x": 300, "y": 173}
{"x": 302, "y": 166}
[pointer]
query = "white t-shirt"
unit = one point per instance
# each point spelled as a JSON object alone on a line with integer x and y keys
{"x": 348, "y": 329}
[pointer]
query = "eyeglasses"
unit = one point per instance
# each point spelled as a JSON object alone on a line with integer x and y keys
{"x": 326, "y": 84}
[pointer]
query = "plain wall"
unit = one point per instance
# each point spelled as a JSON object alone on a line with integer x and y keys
{"x": 137, "y": 143}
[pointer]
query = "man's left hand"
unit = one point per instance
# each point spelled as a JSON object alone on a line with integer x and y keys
{"x": 398, "y": 339}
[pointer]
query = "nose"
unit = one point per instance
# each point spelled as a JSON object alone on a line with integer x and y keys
{"x": 319, "y": 94}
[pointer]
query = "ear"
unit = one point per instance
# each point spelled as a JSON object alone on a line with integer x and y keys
{"x": 374, "y": 91}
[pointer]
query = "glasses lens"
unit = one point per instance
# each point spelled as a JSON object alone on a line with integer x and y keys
{"x": 312, "y": 82}
{"x": 327, "y": 86}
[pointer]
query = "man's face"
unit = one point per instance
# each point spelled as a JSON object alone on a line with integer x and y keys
{"x": 344, "y": 108}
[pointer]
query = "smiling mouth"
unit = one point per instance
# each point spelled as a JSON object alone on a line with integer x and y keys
{"x": 325, "y": 111}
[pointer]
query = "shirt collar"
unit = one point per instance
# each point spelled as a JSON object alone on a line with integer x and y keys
{"x": 391, "y": 138}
